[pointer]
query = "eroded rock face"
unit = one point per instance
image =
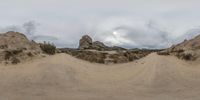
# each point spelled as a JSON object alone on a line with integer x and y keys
{"x": 15, "y": 47}
{"x": 85, "y": 42}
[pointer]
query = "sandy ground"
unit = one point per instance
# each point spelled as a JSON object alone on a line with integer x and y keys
{"x": 62, "y": 77}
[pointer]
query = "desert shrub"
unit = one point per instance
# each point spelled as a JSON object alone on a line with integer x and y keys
{"x": 8, "y": 55}
{"x": 48, "y": 48}
{"x": 198, "y": 47}
{"x": 30, "y": 54}
{"x": 89, "y": 56}
{"x": 15, "y": 52}
{"x": 187, "y": 55}
{"x": 14, "y": 60}
{"x": 12, "y": 53}
{"x": 119, "y": 58}
{"x": 130, "y": 56}
{"x": 3, "y": 46}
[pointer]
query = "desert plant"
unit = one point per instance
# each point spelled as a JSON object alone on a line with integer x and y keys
{"x": 8, "y": 55}
{"x": 188, "y": 55}
{"x": 14, "y": 60}
{"x": 30, "y": 54}
{"x": 48, "y": 48}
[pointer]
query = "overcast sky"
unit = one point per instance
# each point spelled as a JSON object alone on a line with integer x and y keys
{"x": 127, "y": 23}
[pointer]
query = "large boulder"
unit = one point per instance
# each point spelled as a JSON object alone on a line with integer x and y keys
{"x": 85, "y": 42}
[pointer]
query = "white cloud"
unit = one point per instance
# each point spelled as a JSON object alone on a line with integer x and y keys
{"x": 136, "y": 23}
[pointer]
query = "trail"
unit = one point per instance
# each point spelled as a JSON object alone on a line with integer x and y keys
{"x": 62, "y": 77}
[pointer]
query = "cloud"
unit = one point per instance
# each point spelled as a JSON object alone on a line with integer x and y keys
{"x": 10, "y": 28}
{"x": 114, "y": 31}
{"x": 138, "y": 33}
{"x": 128, "y": 32}
{"x": 29, "y": 29}
{"x": 127, "y": 23}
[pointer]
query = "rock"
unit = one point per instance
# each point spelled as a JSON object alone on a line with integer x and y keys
{"x": 85, "y": 42}
{"x": 97, "y": 45}
{"x": 15, "y": 40}
{"x": 164, "y": 52}
{"x": 117, "y": 48}
{"x": 98, "y": 52}
{"x": 14, "y": 47}
{"x": 187, "y": 50}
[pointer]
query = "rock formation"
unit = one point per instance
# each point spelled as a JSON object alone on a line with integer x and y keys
{"x": 98, "y": 52}
{"x": 98, "y": 45}
{"x": 187, "y": 50}
{"x": 15, "y": 47}
{"x": 85, "y": 42}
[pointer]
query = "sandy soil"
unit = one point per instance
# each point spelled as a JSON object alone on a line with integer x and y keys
{"x": 62, "y": 77}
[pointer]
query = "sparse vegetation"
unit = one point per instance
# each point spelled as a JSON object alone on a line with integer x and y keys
{"x": 7, "y": 55}
{"x": 30, "y": 54}
{"x": 186, "y": 56}
{"x": 14, "y": 60}
{"x": 90, "y": 56}
{"x": 11, "y": 53}
{"x": 48, "y": 48}
{"x": 104, "y": 57}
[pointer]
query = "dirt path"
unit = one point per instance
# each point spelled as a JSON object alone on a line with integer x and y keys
{"x": 62, "y": 77}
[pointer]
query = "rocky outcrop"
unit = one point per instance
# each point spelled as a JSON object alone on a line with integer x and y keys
{"x": 107, "y": 57}
{"x": 187, "y": 50}
{"x": 98, "y": 52}
{"x": 86, "y": 43}
{"x": 15, "y": 47}
{"x": 97, "y": 45}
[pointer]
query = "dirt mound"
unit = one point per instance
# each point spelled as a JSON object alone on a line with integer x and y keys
{"x": 187, "y": 50}
{"x": 15, "y": 47}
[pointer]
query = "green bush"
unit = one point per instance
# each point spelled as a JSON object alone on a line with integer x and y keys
{"x": 48, "y": 48}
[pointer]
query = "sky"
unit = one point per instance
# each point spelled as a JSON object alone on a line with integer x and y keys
{"x": 126, "y": 23}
